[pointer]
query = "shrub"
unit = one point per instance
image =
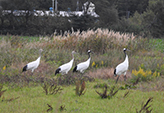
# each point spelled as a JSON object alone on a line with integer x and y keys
{"x": 144, "y": 75}
{"x": 80, "y": 91}
{"x": 109, "y": 95}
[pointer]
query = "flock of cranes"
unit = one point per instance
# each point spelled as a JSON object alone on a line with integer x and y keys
{"x": 120, "y": 69}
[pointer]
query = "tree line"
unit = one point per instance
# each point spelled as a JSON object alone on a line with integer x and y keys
{"x": 141, "y": 17}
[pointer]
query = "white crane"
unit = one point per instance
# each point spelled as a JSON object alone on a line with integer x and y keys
{"x": 33, "y": 65}
{"x": 122, "y": 68}
{"x": 63, "y": 69}
{"x": 81, "y": 67}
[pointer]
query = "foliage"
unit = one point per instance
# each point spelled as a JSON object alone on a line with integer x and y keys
{"x": 145, "y": 107}
{"x": 51, "y": 88}
{"x": 83, "y": 22}
{"x": 102, "y": 85}
{"x": 141, "y": 17}
{"x": 62, "y": 108}
{"x": 144, "y": 75}
{"x": 110, "y": 95}
{"x": 127, "y": 86}
{"x": 50, "y": 108}
{"x": 99, "y": 40}
{"x": 1, "y": 91}
{"x": 157, "y": 44}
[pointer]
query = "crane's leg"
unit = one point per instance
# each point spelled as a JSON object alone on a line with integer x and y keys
{"x": 117, "y": 79}
{"x": 32, "y": 72}
{"x": 125, "y": 78}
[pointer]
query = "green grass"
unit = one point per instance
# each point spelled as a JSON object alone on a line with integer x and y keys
{"x": 34, "y": 100}
{"x": 24, "y": 38}
{"x": 158, "y": 44}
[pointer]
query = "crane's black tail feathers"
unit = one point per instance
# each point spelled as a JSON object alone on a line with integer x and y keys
{"x": 115, "y": 73}
{"x": 24, "y": 68}
{"x": 57, "y": 71}
{"x": 75, "y": 69}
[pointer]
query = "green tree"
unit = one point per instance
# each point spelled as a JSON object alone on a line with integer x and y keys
{"x": 131, "y": 5}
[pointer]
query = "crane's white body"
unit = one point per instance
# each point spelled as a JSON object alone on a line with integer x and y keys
{"x": 122, "y": 68}
{"x": 81, "y": 67}
{"x": 33, "y": 65}
{"x": 63, "y": 69}
{"x": 66, "y": 67}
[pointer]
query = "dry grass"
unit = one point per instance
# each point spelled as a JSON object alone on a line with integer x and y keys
{"x": 98, "y": 33}
{"x": 106, "y": 73}
{"x": 99, "y": 40}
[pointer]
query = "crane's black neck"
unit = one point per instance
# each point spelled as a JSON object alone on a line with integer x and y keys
{"x": 89, "y": 55}
{"x": 125, "y": 53}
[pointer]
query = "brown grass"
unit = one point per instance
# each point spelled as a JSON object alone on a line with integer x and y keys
{"x": 106, "y": 73}
{"x": 99, "y": 40}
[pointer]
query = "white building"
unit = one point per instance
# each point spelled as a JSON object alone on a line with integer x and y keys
{"x": 90, "y": 11}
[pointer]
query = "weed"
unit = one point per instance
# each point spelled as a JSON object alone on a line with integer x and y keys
{"x": 111, "y": 93}
{"x": 144, "y": 75}
{"x": 101, "y": 85}
{"x": 50, "y": 108}
{"x": 127, "y": 86}
{"x": 51, "y": 88}
{"x": 126, "y": 94}
{"x": 145, "y": 107}
{"x": 1, "y": 91}
{"x": 130, "y": 86}
{"x": 80, "y": 91}
{"x": 62, "y": 108}
{"x": 11, "y": 99}
{"x": 136, "y": 82}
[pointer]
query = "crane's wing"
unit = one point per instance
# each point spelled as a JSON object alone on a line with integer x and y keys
{"x": 82, "y": 66}
{"x": 121, "y": 68}
{"x": 32, "y": 65}
{"x": 67, "y": 66}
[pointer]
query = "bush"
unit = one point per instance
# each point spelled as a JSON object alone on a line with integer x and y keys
{"x": 144, "y": 75}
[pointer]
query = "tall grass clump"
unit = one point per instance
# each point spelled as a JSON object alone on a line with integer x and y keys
{"x": 99, "y": 40}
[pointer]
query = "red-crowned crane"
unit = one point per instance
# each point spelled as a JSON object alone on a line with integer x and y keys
{"x": 122, "y": 68}
{"x": 81, "y": 67}
{"x": 33, "y": 65}
{"x": 63, "y": 69}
